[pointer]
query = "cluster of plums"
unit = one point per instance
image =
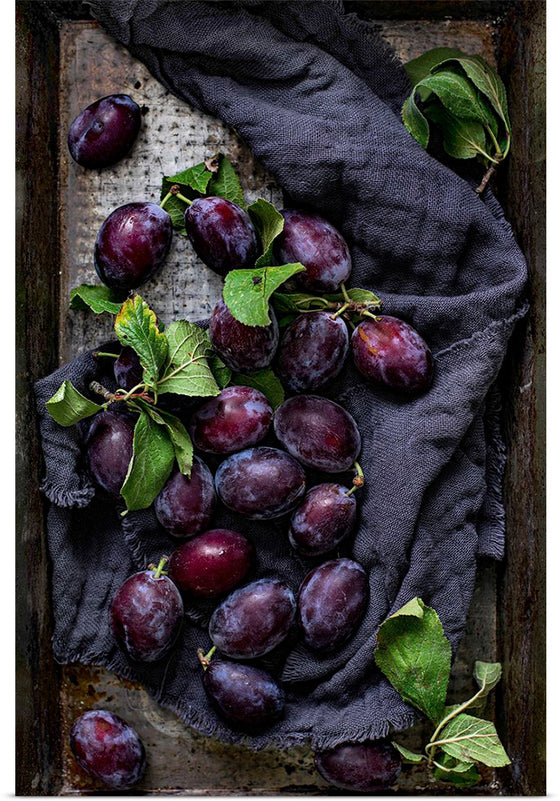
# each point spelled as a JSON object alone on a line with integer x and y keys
{"x": 255, "y": 480}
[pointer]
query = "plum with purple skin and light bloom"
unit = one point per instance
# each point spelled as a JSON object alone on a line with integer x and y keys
{"x": 185, "y": 505}
{"x": 312, "y": 351}
{"x": 261, "y": 483}
{"x": 222, "y": 234}
{"x": 254, "y": 619}
{"x": 235, "y": 419}
{"x": 146, "y": 615}
{"x": 243, "y": 348}
{"x": 107, "y": 748}
{"x": 104, "y": 132}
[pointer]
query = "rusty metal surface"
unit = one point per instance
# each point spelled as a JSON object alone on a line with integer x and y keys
{"x": 174, "y": 136}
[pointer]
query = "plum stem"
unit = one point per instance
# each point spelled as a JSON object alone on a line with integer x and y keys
{"x": 165, "y": 199}
{"x": 205, "y": 660}
{"x": 341, "y": 310}
{"x": 345, "y": 294}
{"x": 99, "y": 353}
{"x": 159, "y": 568}
{"x": 369, "y": 314}
{"x": 358, "y": 480}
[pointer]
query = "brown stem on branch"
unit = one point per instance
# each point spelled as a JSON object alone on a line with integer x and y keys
{"x": 484, "y": 183}
{"x": 96, "y": 387}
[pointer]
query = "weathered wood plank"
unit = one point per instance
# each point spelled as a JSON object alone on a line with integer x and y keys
{"x": 174, "y": 136}
{"x": 523, "y": 581}
{"x": 37, "y": 677}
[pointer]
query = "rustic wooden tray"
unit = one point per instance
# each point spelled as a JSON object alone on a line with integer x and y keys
{"x": 64, "y": 61}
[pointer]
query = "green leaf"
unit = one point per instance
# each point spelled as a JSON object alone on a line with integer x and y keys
{"x": 182, "y": 444}
{"x": 266, "y": 381}
{"x": 96, "y": 297}
{"x": 460, "y": 774}
{"x": 487, "y": 81}
{"x": 269, "y": 223}
{"x": 176, "y": 210}
{"x": 487, "y": 675}
{"x": 136, "y": 325}
{"x": 152, "y": 461}
{"x": 300, "y": 301}
{"x": 225, "y": 183}
{"x": 67, "y": 406}
{"x": 196, "y": 177}
{"x": 418, "y": 68}
{"x": 409, "y": 756}
{"x": 462, "y": 139}
{"x": 457, "y": 95}
{"x": 187, "y": 371}
{"x": 414, "y": 654}
{"x": 471, "y": 739}
{"x": 220, "y": 371}
{"x": 414, "y": 121}
{"x": 247, "y": 292}
{"x": 192, "y": 182}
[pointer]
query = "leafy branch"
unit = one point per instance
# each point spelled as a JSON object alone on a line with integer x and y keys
{"x": 414, "y": 654}
{"x": 466, "y": 99}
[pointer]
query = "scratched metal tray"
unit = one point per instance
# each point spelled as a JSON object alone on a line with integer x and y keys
{"x": 64, "y": 61}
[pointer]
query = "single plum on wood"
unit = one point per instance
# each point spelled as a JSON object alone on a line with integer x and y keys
{"x": 235, "y": 419}
{"x": 312, "y": 351}
{"x": 222, "y": 234}
{"x": 313, "y": 241}
{"x": 253, "y": 619}
{"x": 332, "y": 601}
{"x": 246, "y": 696}
{"x": 146, "y": 615}
{"x": 368, "y": 767}
{"x": 318, "y": 432}
{"x": 104, "y": 132}
{"x": 107, "y": 748}
{"x": 109, "y": 450}
{"x": 390, "y": 352}
{"x": 260, "y": 483}
{"x": 211, "y": 564}
{"x": 243, "y": 348}
{"x": 132, "y": 244}
{"x": 326, "y": 516}
{"x": 185, "y": 505}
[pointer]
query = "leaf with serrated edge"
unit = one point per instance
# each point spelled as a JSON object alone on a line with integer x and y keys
{"x": 247, "y": 293}
{"x": 418, "y": 68}
{"x": 457, "y": 95}
{"x": 414, "y": 121}
{"x": 471, "y": 739}
{"x": 67, "y": 406}
{"x": 487, "y": 675}
{"x": 187, "y": 371}
{"x": 182, "y": 443}
{"x": 487, "y": 81}
{"x": 269, "y": 223}
{"x": 225, "y": 183}
{"x": 136, "y": 326}
{"x": 462, "y": 139}
{"x": 196, "y": 177}
{"x": 266, "y": 381}
{"x": 409, "y": 756}
{"x": 150, "y": 466}
{"x": 97, "y": 298}
{"x": 415, "y": 655}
